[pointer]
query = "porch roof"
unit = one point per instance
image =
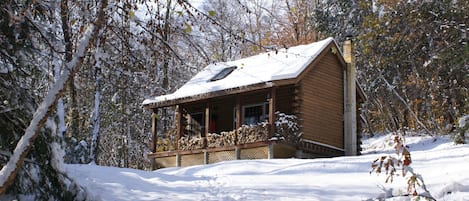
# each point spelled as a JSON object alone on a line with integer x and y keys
{"x": 251, "y": 73}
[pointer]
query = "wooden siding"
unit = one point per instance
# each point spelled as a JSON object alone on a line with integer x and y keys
{"x": 254, "y": 97}
{"x": 321, "y": 106}
{"x": 284, "y": 102}
{"x": 282, "y": 150}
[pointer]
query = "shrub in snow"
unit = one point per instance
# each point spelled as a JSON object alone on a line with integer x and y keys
{"x": 77, "y": 151}
{"x": 402, "y": 158}
{"x": 460, "y": 136}
{"x": 287, "y": 128}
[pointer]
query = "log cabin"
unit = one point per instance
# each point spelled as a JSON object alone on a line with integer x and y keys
{"x": 298, "y": 102}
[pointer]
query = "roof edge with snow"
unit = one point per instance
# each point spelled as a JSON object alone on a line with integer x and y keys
{"x": 252, "y": 73}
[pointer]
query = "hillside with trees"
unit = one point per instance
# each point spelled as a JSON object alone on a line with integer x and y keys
{"x": 412, "y": 59}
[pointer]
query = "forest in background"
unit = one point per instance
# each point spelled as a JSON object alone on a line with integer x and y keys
{"x": 411, "y": 58}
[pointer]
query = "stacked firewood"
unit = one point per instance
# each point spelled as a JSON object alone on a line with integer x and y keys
{"x": 245, "y": 134}
{"x": 250, "y": 134}
{"x": 186, "y": 143}
{"x": 222, "y": 139}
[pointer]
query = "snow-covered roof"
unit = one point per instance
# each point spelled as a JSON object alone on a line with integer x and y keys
{"x": 263, "y": 68}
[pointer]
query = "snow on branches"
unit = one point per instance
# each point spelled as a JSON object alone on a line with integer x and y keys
{"x": 390, "y": 162}
{"x": 402, "y": 158}
{"x": 286, "y": 128}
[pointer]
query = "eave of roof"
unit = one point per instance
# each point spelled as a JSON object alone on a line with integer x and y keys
{"x": 214, "y": 94}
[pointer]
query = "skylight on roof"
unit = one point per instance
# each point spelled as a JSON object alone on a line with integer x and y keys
{"x": 223, "y": 73}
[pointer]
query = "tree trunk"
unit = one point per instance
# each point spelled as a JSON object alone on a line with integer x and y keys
{"x": 73, "y": 108}
{"x": 165, "y": 85}
{"x": 97, "y": 99}
{"x": 60, "y": 107}
{"x": 406, "y": 105}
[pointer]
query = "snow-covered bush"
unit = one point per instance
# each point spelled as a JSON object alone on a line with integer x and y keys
{"x": 77, "y": 151}
{"x": 460, "y": 136}
{"x": 402, "y": 158}
{"x": 287, "y": 128}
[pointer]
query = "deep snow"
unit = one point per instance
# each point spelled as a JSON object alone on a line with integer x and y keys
{"x": 443, "y": 166}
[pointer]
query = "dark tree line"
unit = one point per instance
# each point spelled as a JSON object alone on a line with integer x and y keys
{"x": 412, "y": 59}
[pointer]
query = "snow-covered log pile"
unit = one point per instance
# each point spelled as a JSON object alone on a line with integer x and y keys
{"x": 286, "y": 128}
{"x": 250, "y": 134}
{"x": 245, "y": 134}
{"x": 222, "y": 139}
{"x": 186, "y": 143}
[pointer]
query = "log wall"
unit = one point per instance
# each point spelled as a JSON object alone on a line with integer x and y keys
{"x": 321, "y": 108}
{"x": 284, "y": 102}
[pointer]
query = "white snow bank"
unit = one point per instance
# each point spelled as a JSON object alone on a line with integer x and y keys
{"x": 442, "y": 165}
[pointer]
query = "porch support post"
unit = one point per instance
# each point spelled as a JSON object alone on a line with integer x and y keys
{"x": 207, "y": 124}
{"x": 238, "y": 116}
{"x": 178, "y": 160}
{"x": 206, "y": 159}
{"x": 179, "y": 128}
{"x": 270, "y": 153}
{"x": 154, "y": 135}
{"x": 273, "y": 94}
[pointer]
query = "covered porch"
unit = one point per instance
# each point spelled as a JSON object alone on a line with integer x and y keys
{"x": 244, "y": 125}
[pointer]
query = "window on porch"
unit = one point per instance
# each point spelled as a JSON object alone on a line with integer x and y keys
{"x": 255, "y": 113}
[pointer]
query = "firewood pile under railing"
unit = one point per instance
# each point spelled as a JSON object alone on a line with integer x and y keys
{"x": 286, "y": 130}
{"x": 251, "y": 134}
{"x": 220, "y": 140}
{"x": 244, "y": 135}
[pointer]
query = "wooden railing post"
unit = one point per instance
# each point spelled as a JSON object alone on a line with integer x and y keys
{"x": 270, "y": 153}
{"x": 207, "y": 124}
{"x": 178, "y": 160}
{"x": 206, "y": 159}
{"x": 154, "y": 136}
{"x": 238, "y": 117}
{"x": 179, "y": 126}
{"x": 273, "y": 94}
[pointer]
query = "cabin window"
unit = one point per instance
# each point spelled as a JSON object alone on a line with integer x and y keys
{"x": 254, "y": 114}
{"x": 223, "y": 73}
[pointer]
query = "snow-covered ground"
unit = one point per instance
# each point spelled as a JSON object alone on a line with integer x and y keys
{"x": 443, "y": 166}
